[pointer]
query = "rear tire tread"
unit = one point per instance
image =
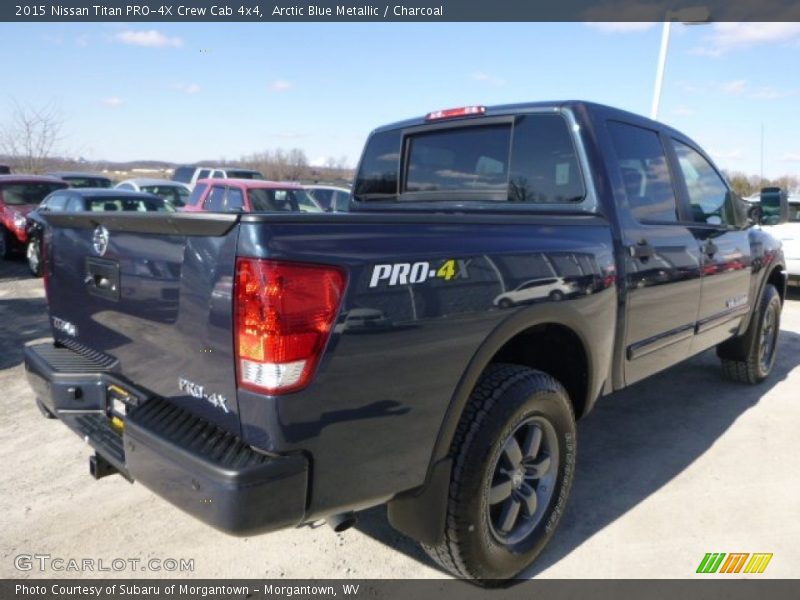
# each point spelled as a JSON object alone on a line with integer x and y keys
{"x": 490, "y": 388}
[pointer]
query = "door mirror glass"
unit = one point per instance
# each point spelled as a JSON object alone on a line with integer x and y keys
{"x": 774, "y": 206}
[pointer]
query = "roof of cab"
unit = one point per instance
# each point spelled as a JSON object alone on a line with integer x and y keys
{"x": 510, "y": 109}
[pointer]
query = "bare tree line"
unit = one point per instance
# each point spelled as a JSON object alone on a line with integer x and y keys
{"x": 31, "y": 135}
{"x": 748, "y": 185}
{"x": 293, "y": 165}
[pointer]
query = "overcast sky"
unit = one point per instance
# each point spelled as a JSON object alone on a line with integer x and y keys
{"x": 184, "y": 92}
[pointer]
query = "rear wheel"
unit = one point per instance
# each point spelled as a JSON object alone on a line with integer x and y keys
{"x": 34, "y": 255}
{"x": 556, "y": 295}
{"x": 514, "y": 457}
{"x": 751, "y": 359}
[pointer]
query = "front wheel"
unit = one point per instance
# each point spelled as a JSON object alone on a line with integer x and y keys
{"x": 758, "y": 349}
{"x": 514, "y": 459}
{"x": 34, "y": 255}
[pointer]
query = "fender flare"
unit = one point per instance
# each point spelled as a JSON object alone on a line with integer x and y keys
{"x": 421, "y": 513}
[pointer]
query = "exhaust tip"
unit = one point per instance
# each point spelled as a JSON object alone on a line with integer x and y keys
{"x": 342, "y": 522}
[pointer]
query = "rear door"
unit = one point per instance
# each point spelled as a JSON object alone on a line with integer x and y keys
{"x": 153, "y": 292}
{"x": 726, "y": 256}
{"x": 662, "y": 258}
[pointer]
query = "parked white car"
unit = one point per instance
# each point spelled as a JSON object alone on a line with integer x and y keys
{"x": 789, "y": 234}
{"x": 555, "y": 288}
{"x": 172, "y": 192}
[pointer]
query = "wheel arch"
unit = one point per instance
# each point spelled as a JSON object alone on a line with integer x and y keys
{"x": 420, "y": 513}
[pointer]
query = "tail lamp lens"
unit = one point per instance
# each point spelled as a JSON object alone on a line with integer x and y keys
{"x": 284, "y": 313}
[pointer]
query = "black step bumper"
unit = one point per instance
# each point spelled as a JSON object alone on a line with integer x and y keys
{"x": 201, "y": 468}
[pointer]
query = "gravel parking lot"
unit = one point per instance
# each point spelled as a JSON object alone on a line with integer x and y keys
{"x": 679, "y": 465}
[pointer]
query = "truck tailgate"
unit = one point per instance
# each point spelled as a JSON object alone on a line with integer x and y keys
{"x": 154, "y": 293}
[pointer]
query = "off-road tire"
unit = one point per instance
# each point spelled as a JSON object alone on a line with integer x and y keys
{"x": 505, "y": 398}
{"x": 742, "y": 358}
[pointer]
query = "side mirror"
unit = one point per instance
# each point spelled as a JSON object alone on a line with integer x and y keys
{"x": 774, "y": 206}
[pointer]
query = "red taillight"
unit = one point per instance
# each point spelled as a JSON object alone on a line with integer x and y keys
{"x": 284, "y": 313}
{"x": 451, "y": 113}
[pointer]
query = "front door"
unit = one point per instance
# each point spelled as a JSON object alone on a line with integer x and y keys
{"x": 725, "y": 248}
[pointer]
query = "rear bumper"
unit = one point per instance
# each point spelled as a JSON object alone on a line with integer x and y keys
{"x": 200, "y": 468}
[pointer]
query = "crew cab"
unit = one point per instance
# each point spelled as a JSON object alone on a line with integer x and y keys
{"x": 19, "y": 195}
{"x": 249, "y": 195}
{"x": 247, "y": 399}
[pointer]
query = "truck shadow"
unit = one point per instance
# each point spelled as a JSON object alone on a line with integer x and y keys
{"x": 632, "y": 444}
{"x": 22, "y": 319}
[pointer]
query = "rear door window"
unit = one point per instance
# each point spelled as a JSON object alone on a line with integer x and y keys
{"x": 203, "y": 174}
{"x": 197, "y": 193}
{"x": 56, "y": 202}
{"x": 643, "y": 167}
{"x": 235, "y": 200}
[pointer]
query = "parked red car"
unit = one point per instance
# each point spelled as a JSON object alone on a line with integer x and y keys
{"x": 249, "y": 195}
{"x": 20, "y": 194}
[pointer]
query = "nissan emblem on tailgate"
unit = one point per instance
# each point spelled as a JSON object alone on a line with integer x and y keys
{"x": 100, "y": 240}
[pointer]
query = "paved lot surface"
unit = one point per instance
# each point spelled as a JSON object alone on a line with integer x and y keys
{"x": 677, "y": 466}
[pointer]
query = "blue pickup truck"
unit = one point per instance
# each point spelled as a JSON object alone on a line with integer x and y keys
{"x": 500, "y": 269}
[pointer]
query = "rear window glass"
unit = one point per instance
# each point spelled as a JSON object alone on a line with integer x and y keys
{"x": 277, "y": 200}
{"x": 532, "y": 160}
{"x": 173, "y": 194}
{"x": 87, "y": 182}
{"x": 380, "y": 166}
{"x": 469, "y": 159}
{"x": 28, "y": 193}
{"x": 183, "y": 174}
{"x": 111, "y": 204}
{"x": 544, "y": 165}
{"x": 233, "y": 174}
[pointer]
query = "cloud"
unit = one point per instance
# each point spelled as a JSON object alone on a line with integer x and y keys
{"x": 148, "y": 39}
{"x": 791, "y": 157}
{"x": 82, "y": 41}
{"x": 487, "y": 78}
{"x": 281, "y": 86}
{"x": 722, "y": 155}
{"x": 112, "y": 102}
{"x": 683, "y": 111}
{"x": 727, "y": 37}
{"x": 187, "y": 88}
{"x": 622, "y": 26}
{"x": 770, "y": 93}
{"x": 735, "y": 88}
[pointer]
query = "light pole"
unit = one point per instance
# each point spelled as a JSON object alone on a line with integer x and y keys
{"x": 699, "y": 15}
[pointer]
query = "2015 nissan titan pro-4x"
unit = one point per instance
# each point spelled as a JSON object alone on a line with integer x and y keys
{"x": 501, "y": 269}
